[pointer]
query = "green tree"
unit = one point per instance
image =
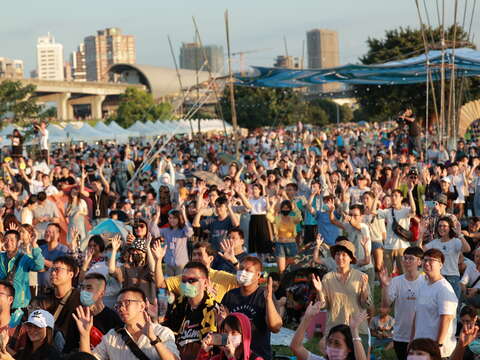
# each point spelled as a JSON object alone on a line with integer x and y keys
{"x": 139, "y": 105}
{"x": 383, "y": 102}
{"x": 16, "y": 98}
{"x": 257, "y": 107}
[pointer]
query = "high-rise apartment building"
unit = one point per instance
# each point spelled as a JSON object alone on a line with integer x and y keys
{"x": 10, "y": 68}
{"x": 79, "y": 68}
{"x": 106, "y": 48}
{"x": 322, "y": 50}
{"x": 287, "y": 62}
{"x": 49, "y": 58}
{"x": 192, "y": 57}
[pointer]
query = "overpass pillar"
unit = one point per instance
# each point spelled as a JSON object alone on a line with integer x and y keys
{"x": 63, "y": 107}
{"x": 97, "y": 106}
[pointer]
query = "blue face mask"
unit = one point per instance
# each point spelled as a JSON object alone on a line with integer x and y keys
{"x": 475, "y": 346}
{"x": 188, "y": 290}
{"x": 86, "y": 298}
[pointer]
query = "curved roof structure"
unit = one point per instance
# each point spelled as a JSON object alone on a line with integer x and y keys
{"x": 160, "y": 81}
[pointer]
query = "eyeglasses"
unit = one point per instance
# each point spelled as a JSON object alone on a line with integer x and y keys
{"x": 409, "y": 258}
{"x": 125, "y": 303}
{"x": 430, "y": 260}
{"x": 57, "y": 269}
{"x": 190, "y": 280}
{"x": 139, "y": 226}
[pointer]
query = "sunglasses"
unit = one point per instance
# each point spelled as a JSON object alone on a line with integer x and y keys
{"x": 191, "y": 280}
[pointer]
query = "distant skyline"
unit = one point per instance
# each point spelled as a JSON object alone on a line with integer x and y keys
{"x": 253, "y": 25}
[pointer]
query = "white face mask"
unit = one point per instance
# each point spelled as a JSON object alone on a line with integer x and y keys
{"x": 417, "y": 357}
{"x": 235, "y": 340}
{"x": 244, "y": 277}
{"x": 336, "y": 354}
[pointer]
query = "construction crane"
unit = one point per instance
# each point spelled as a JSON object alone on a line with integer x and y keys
{"x": 241, "y": 54}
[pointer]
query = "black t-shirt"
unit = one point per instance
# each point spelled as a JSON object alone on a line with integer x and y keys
{"x": 44, "y": 352}
{"x": 255, "y": 308}
{"x": 106, "y": 320}
{"x": 413, "y": 128}
{"x": 64, "y": 319}
{"x": 101, "y": 203}
{"x": 187, "y": 325}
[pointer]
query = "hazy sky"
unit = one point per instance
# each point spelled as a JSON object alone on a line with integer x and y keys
{"x": 254, "y": 24}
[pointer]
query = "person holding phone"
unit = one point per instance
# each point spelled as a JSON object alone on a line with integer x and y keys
{"x": 233, "y": 340}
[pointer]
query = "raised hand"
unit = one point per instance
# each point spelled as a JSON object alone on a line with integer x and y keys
{"x": 130, "y": 238}
{"x": 84, "y": 320}
{"x": 116, "y": 242}
{"x": 269, "y": 289}
{"x": 357, "y": 318}
{"x": 152, "y": 309}
{"x": 158, "y": 250}
{"x": 319, "y": 240}
{"x": 148, "y": 328}
{"x": 227, "y": 250}
{"x": 313, "y": 309}
{"x": 468, "y": 334}
{"x": 384, "y": 278}
{"x": 317, "y": 284}
{"x": 89, "y": 255}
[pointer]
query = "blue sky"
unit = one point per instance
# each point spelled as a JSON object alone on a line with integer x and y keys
{"x": 254, "y": 24}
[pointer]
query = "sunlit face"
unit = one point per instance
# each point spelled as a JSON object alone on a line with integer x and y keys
{"x": 10, "y": 243}
{"x": 337, "y": 340}
{"x": 35, "y": 333}
{"x": 129, "y": 306}
{"x": 60, "y": 274}
{"x": 172, "y": 220}
{"x": 443, "y": 228}
{"x": 342, "y": 258}
{"x": 201, "y": 255}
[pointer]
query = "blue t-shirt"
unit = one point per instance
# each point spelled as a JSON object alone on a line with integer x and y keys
{"x": 60, "y": 250}
{"x": 328, "y": 231}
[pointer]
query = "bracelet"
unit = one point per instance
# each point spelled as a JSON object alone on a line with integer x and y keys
{"x": 358, "y": 338}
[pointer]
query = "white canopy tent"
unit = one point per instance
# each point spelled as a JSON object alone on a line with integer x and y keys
{"x": 117, "y": 129}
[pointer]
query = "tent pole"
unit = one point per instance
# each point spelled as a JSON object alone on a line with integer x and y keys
{"x": 232, "y": 91}
{"x": 179, "y": 81}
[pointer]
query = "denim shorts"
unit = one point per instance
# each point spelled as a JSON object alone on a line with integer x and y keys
{"x": 286, "y": 249}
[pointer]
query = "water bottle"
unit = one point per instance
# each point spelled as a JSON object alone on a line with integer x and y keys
{"x": 162, "y": 298}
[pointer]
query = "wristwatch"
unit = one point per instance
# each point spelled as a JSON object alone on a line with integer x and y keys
{"x": 156, "y": 341}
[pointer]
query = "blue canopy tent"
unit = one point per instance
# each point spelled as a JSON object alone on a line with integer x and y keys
{"x": 409, "y": 71}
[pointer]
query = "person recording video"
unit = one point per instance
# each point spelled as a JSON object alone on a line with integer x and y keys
{"x": 414, "y": 131}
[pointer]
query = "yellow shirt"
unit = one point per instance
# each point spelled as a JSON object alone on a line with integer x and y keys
{"x": 221, "y": 281}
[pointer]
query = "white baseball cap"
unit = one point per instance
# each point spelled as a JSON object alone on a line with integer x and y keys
{"x": 41, "y": 319}
{"x": 446, "y": 179}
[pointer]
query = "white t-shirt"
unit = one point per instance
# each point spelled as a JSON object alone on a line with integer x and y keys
{"x": 355, "y": 236}
{"x": 434, "y": 300}
{"x": 259, "y": 206}
{"x": 451, "y": 250}
{"x": 471, "y": 275}
{"x": 44, "y": 140}
{"x": 393, "y": 241}
{"x": 112, "y": 345}
{"x": 404, "y": 294}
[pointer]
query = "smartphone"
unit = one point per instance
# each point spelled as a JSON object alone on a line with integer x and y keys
{"x": 219, "y": 339}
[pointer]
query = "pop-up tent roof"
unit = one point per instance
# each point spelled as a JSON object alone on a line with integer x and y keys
{"x": 408, "y": 71}
{"x": 117, "y": 129}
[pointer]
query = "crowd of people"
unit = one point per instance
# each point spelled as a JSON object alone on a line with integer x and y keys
{"x": 363, "y": 237}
